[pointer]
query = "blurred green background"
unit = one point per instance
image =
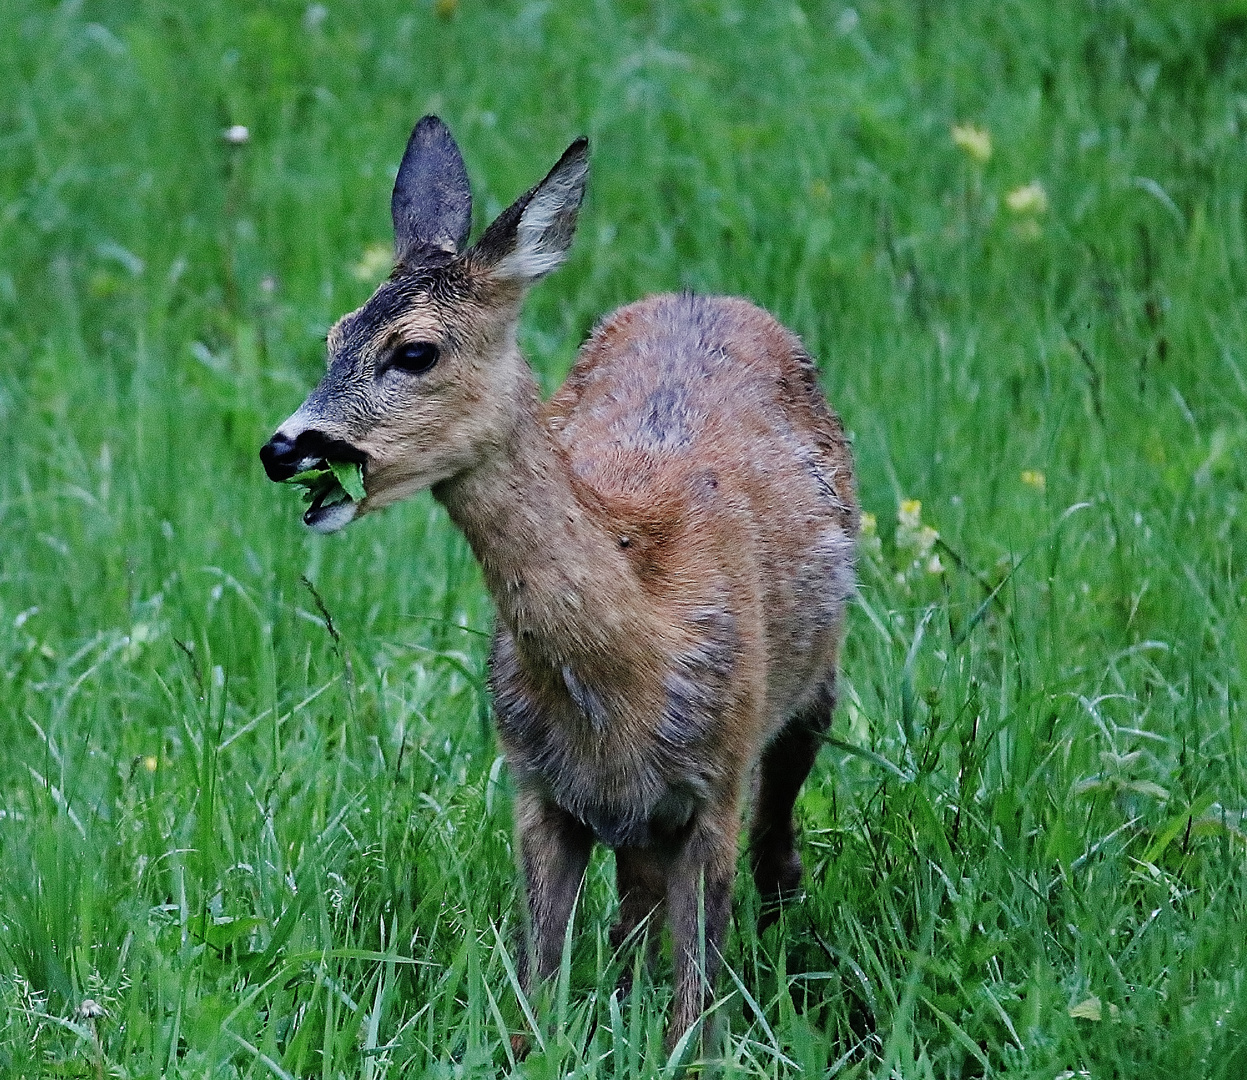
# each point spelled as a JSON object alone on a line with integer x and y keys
{"x": 252, "y": 817}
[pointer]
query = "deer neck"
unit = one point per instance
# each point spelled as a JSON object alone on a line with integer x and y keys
{"x": 560, "y": 583}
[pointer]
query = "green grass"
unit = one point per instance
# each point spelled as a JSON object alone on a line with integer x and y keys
{"x": 267, "y": 845}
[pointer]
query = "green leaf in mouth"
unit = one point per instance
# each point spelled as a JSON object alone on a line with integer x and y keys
{"x": 351, "y": 476}
{"x": 330, "y": 482}
{"x": 308, "y": 477}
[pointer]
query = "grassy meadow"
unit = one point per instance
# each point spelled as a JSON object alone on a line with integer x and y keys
{"x": 253, "y": 821}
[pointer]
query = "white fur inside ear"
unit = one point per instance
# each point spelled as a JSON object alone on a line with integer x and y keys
{"x": 546, "y": 226}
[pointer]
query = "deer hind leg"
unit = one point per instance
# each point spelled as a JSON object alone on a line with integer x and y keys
{"x": 785, "y": 764}
{"x": 554, "y": 849}
{"x": 699, "y": 901}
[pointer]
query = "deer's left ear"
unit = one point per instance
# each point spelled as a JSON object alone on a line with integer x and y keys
{"x": 432, "y": 201}
{"x": 531, "y": 237}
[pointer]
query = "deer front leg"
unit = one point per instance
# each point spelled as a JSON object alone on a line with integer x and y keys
{"x": 699, "y": 901}
{"x": 554, "y": 850}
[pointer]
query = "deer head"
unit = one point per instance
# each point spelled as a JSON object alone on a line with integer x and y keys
{"x": 423, "y": 379}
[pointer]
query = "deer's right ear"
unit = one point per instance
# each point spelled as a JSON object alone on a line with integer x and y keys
{"x": 432, "y": 201}
{"x": 531, "y": 237}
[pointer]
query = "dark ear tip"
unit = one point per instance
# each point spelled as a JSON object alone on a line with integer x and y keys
{"x": 431, "y": 127}
{"x": 576, "y": 155}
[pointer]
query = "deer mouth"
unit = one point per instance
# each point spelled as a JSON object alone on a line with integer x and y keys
{"x": 333, "y": 491}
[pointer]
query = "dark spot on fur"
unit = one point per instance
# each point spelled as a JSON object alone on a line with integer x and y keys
{"x": 673, "y": 812}
{"x": 586, "y": 699}
{"x": 820, "y": 480}
{"x": 664, "y": 423}
{"x": 667, "y": 819}
{"x": 615, "y": 830}
{"x": 705, "y": 484}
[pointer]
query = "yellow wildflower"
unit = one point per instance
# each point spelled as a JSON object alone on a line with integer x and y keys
{"x": 975, "y": 142}
{"x": 868, "y": 540}
{"x": 912, "y": 536}
{"x": 910, "y": 514}
{"x": 1034, "y": 478}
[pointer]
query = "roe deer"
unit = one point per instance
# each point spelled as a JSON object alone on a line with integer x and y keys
{"x": 668, "y": 541}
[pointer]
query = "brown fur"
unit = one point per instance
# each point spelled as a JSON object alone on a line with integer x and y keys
{"x": 669, "y": 543}
{"x": 637, "y": 686}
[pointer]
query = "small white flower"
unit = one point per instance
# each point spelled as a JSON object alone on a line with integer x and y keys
{"x": 1029, "y": 199}
{"x": 236, "y": 134}
{"x": 90, "y": 1009}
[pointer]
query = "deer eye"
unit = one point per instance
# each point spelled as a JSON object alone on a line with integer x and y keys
{"x": 415, "y": 358}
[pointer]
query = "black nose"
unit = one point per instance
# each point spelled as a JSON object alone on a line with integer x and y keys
{"x": 280, "y": 457}
{"x": 283, "y": 456}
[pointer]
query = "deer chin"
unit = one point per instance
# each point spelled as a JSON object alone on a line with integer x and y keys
{"x": 328, "y": 518}
{"x": 392, "y": 484}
